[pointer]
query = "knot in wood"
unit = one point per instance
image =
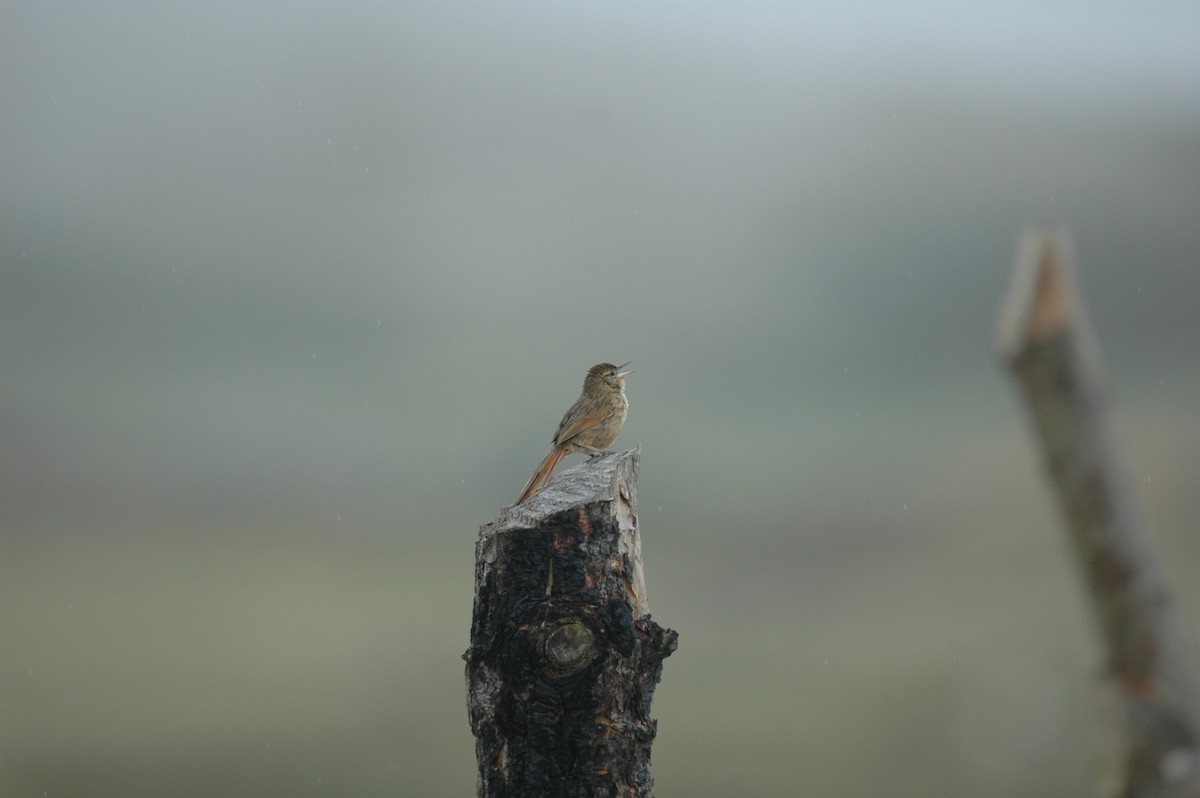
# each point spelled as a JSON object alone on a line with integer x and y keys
{"x": 568, "y": 647}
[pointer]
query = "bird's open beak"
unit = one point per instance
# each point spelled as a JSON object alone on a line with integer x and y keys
{"x": 625, "y": 373}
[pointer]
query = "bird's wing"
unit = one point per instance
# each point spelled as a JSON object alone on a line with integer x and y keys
{"x": 576, "y": 421}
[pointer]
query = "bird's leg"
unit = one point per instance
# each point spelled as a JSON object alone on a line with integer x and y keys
{"x": 593, "y": 452}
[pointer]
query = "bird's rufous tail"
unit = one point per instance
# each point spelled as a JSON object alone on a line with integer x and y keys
{"x": 542, "y": 475}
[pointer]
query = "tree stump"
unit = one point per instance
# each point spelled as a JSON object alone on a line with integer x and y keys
{"x": 564, "y": 657}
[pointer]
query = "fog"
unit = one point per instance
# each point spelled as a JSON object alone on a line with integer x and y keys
{"x": 292, "y": 298}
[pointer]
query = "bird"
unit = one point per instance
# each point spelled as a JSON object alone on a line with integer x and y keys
{"x": 592, "y": 423}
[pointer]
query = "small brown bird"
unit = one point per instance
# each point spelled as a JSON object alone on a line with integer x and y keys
{"x": 592, "y": 423}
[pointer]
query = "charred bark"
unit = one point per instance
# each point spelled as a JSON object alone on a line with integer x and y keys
{"x": 564, "y": 657}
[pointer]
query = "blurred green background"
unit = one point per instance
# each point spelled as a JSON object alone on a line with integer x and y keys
{"x": 293, "y": 295}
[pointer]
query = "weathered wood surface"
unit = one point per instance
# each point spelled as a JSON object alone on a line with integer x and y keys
{"x": 1047, "y": 341}
{"x": 564, "y": 657}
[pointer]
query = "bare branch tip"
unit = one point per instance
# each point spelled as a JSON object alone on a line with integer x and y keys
{"x": 1041, "y": 296}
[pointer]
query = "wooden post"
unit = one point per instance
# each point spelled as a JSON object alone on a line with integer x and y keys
{"x": 564, "y": 657}
{"x": 1047, "y": 341}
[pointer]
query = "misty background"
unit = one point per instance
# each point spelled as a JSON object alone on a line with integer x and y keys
{"x": 292, "y": 297}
